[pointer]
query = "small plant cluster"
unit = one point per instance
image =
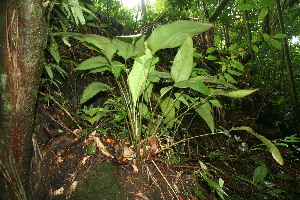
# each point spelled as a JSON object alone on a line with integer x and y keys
{"x": 149, "y": 115}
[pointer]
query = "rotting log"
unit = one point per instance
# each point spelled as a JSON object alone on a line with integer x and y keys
{"x": 23, "y": 34}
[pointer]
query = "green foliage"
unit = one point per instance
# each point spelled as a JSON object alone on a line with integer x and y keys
{"x": 136, "y": 90}
{"x": 205, "y": 174}
{"x": 93, "y": 89}
{"x": 260, "y": 174}
{"x": 273, "y": 149}
{"x": 174, "y": 34}
{"x": 93, "y": 115}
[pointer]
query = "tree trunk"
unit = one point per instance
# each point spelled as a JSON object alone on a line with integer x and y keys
{"x": 249, "y": 34}
{"x": 23, "y": 39}
{"x": 218, "y": 11}
{"x": 289, "y": 66}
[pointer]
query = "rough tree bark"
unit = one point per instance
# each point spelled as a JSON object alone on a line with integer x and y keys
{"x": 22, "y": 41}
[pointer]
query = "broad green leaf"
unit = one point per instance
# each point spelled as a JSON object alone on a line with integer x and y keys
{"x": 234, "y": 72}
{"x": 280, "y": 36}
{"x": 91, "y": 150}
{"x": 99, "y": 69}
{"x": 138, "y": 77}
{"x": 211, "y": 49}
{"x": 174, "y": 34}
{"x": 155, "y": 76}
{"x": 229, "y": 78}
{"x": 92, "y": 63}
{"x": 49, "y": 71}
{"x": 266, "y": 37}
{"x": 143, "y": 109}
{"x": 238, "y": 65}
{"x": 216, "y": 103}
{"x": 210, "y": 57}
{"x": 130, "y": 46}
{"x": 95, "y": 42}
{"x": 147, "y": 94}
{"x": 195, "y": 84}
{"x": 275, "y": 152}
{"x": 164, "y": 90}
{"x": 117, "y": 68}
{"x": 183, "y": 61}
{"x": 91, "y": 90}
{"x": 276, "y": 44}
{"x": 246, "y": 7}
{"x": 260, "y": 173}
{"x": 205, "y": 112}
{"x": 89, "y": 11}
{"x": 53, "y": 49}
{"x": 217, "y": 187}
{"x": 168, "y": 111}
{"x": 181, "y": 98}
{"x": 255, "y": 39}
{"x": 263, "y": 14}
{"x": 240, "y": 93}
{"x": 255, "y": 48}
{"x": 214, "y": 80}
{"x": 77, "y": 12}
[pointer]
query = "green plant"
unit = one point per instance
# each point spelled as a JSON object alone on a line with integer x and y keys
{"x": 149, "y": 113}
{"x": 205, "y": 175}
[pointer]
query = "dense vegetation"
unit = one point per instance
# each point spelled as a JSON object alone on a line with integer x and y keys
{"x": 210, "y": 87}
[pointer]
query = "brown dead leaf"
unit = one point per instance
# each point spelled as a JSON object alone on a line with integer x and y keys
{"x": 109, "y": 141}
{"x": 153, "y": 148}
{"x": 140, "y": 196}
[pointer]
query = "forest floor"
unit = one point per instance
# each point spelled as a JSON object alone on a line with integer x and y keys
{"x": 64, "y": 167}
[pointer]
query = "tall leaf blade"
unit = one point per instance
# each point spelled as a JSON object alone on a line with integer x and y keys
{"x": 91, "y": 90}
{"x": 205, "y": 112}
{"x": 240, "y": 93}
{"x": 196, "y": 85}
{"x": 96, "y": 42}
{"x": 129, "y": 46}
{"x": 168, "y": 110}
{"x": 183, "y": 61}
{"x": 92, "y": 63}
{"x": 260, "y": 173}
{"x": 174, "y": 34}
{"x": 274, "y": 150}
{"x": 137, "y": 78}
{"x": 77, "y": 12}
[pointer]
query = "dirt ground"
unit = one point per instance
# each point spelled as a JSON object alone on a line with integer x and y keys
{"x": 63, "y": 168}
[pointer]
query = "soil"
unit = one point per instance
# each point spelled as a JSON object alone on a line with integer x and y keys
{"x": 64, "y": 169}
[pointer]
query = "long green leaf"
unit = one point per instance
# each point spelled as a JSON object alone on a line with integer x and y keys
{"x": 53, "y": 49}
{"x": 168, "y": 110}
{"x": 205, "y": 112}
{"x": 137, "y": 78}
{"x": 92, "y": 63}
{"x": 240, "y": 93}
{"x": 214, "y": 80}
{"x": 260, "y": 173}
{"x": 91, "y": 90}
{"x": 129, "y": 46}
{"x": 183, "y": 61}
{"x": 196, "y": 85}
{"x": 174, "y": 34}
{"x": 95, "y": 42}
{"x": 76, "y": 12}
{"x": 274, "y": 150}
